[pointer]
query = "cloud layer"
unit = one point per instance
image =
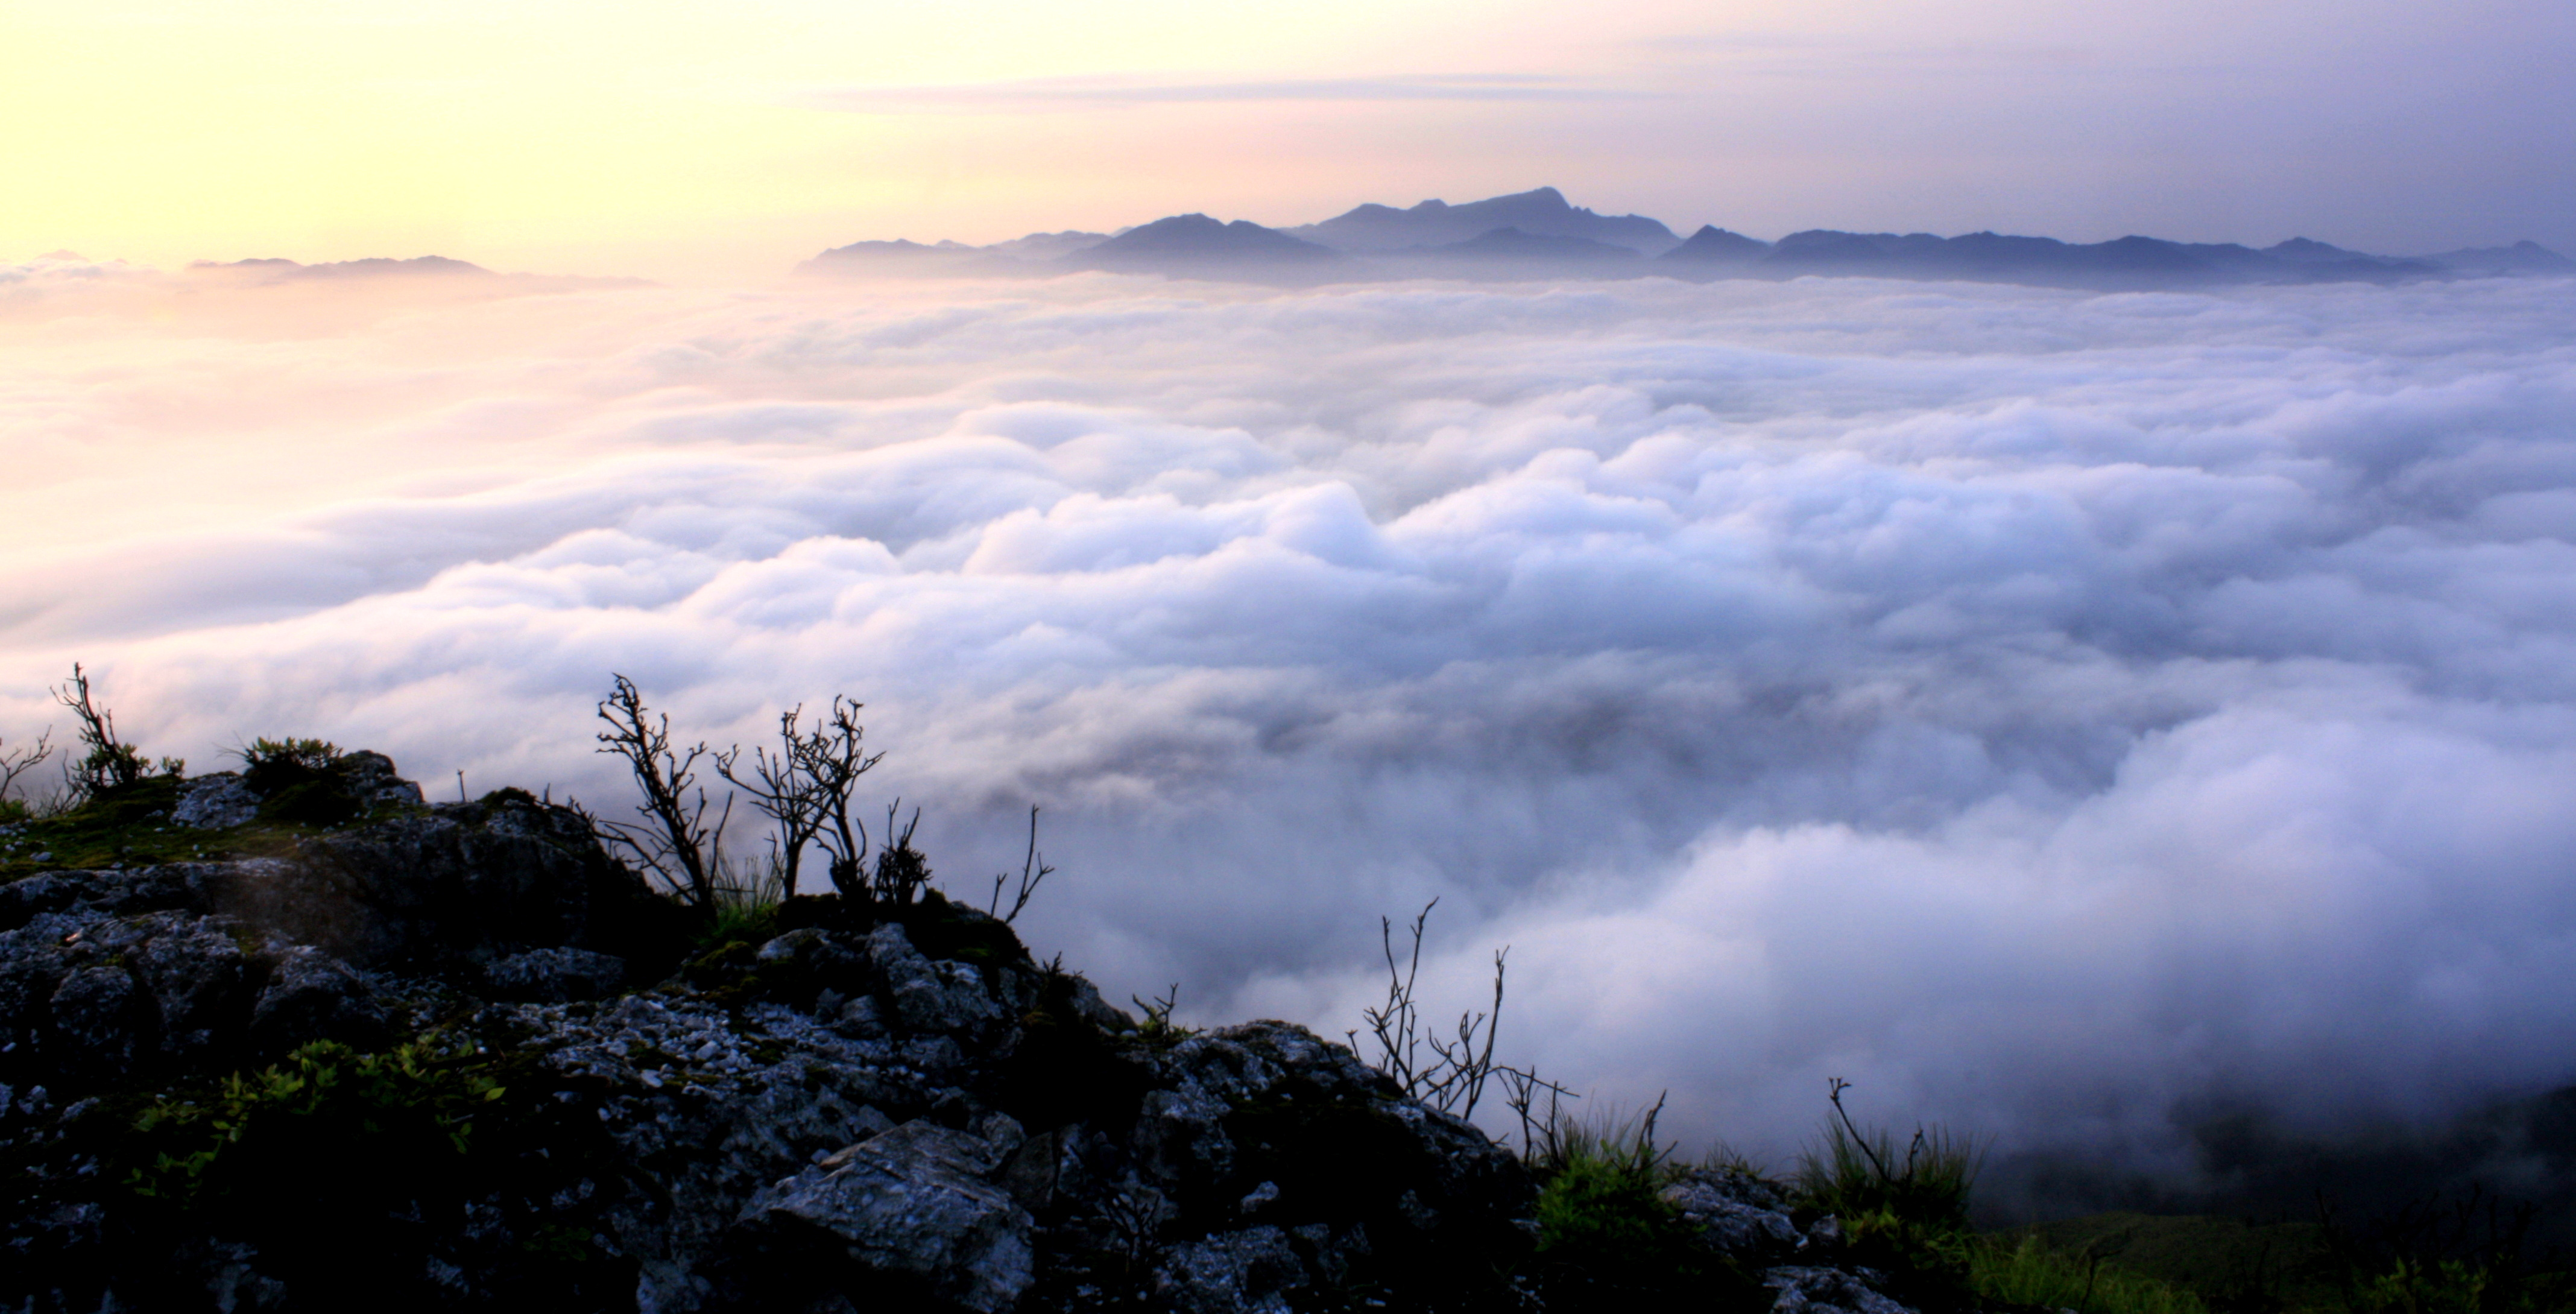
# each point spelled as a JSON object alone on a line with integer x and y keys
{"x": 2062, "y": 714}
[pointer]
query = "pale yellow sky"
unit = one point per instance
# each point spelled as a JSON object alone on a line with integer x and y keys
{"x": 687, "y": 140}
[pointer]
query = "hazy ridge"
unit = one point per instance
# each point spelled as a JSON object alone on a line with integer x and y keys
{"x": 1539, "y": 234}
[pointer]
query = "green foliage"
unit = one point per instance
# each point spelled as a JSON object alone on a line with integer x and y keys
{"x": 411, "y": 1103}
{"x": 2027, "y": 1271}
{"x": 2459, "y": 1286}
{"x": 1158, "y": 1029}
{"x": 126, "y": 827}
{"x": 300, "y": 782}
{"x": 1855, "y": 1174}
{"x": 345, "y": 1170}
{"x": 306, "y": 754}
{"x": 1905, "y": 1213}
{"x": 1607, "y": 1240}
{"x": 742, "y": 906}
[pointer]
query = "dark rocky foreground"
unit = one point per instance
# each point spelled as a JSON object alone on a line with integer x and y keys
{"x": 456, "y": 1057}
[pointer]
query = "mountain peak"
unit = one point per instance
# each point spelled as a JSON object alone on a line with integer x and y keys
{"x": 1539, "y": 212}
{"x": 1185, "y": 242}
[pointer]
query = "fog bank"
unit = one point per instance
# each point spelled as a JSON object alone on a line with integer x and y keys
{"x": 2061, "y": 714}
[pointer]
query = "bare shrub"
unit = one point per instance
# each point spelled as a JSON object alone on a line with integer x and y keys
{"x": 16, "y": 762}
{"x": 902, "y": 871}
{"x": 829, "y": 761}
{"x": 109, "y": 763}
{"x": 1452, "y": 1078}
{"x": 674, "y": 841}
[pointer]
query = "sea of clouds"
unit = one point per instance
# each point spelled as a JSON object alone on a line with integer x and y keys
{"x": 2065, "y": 716}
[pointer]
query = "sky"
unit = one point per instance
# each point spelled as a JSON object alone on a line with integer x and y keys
{"x": 716, "y": 143}
{"x": 2067, "y": 716}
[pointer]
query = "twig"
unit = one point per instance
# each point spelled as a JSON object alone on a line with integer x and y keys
{"x": 1032, "y": 870}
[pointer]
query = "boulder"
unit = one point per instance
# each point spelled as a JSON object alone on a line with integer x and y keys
{"x": 216, "y": 802}
{"x": 1243, "y": 1272}
{"x": 310, "y": 997}
{"x": 1826, "y": 1291}
{"x": 200, "y": 981}
{"x": 909, "y": 1213}
{"x": 99, "y": 1019}
{"x": 1736, "y": 1214}
{"x": 557, "y": 975}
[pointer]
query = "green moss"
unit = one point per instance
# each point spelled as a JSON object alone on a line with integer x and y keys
{"x": 131, "y": 827}
{"x": 344, "y": 1170}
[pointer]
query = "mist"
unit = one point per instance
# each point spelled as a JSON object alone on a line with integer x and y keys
{"x": 2060, "y": 714}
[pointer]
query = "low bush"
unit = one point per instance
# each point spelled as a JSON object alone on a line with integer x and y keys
{"x": 1607, "y": 1239}
{"x": 2028, "y": 1271}
{"x": 1905, "y": 1213}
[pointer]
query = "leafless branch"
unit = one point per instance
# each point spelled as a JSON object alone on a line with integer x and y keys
{"x": 16, "y": 762}
{"x": 674, "y": 842}
{"x": 110, "y": 763}
{"x": 831, "y": 759}
{"x": 785, "y": 792}
{"x": 1033, "y": 869}
{"x": 1453, "y": 1079}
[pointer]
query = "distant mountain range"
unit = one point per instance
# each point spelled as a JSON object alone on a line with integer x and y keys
{"x": 432, "y": 269}
{"x": 1539, "y": 234}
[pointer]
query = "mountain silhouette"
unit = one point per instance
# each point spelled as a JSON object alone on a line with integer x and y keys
{"x": 1715, "y": 245}
{"x": 1540, "y": 234}
{"x": 1540, "y": 213}
{"x": 1196, "y": 246}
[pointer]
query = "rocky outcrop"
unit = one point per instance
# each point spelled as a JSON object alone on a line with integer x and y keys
{"x": 871, "y": 1108}
{"x": 454, "y": 1057}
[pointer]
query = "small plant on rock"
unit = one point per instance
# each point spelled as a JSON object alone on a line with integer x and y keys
{"x": 1158, "y": 1029}
{"x": 1905, "y": 1213}
{"x": 1607, "y": 1240}
{"x": 109, "y": 763}
{"x": 903, "y": 872}
{"x": 300, "y": 754}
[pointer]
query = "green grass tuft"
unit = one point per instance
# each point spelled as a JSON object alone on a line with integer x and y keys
{"x": 2027, "y": 1271}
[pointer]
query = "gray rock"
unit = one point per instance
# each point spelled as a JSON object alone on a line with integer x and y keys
{"x": 32, "y": 967}
{"x": 794, "y": 948}
{"x": 313, "y": 996}
{"x": 99, "y": 1014}
{"x": 910, "y": 1203}
{"x": 1738, "y": 1215}
{"x": 1826, "y": 1291}
{"x": 1246, "y": 1272}
{"x": 942, "y": 998}
{"x": 948, "y": 999}
{"x": 216, "y": 802}
{"x": 1099, "y": 1012}
{"x": 200, "y": 981}
{"x": 371, "y": 779}
{"x": 555, "y": 976}
{"x": 1824, "y": 1238}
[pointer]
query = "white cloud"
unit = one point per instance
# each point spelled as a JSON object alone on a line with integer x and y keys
{"x": 2050, "y": 710}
